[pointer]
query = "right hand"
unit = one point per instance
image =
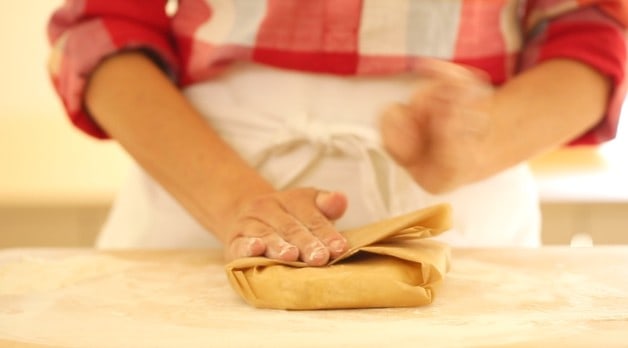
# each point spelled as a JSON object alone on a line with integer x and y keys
{"x": 290, "y": 225}
{"x": 441, "y": 135}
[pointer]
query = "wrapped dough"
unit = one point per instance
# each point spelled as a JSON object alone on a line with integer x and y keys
{"x": 390, "y": 263}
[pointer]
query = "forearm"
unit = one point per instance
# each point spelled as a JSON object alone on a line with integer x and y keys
{"x": 139, "y": 107}
{"x": 543, "y": 108}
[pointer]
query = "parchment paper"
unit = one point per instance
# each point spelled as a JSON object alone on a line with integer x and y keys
{"x": 390, "y": 263}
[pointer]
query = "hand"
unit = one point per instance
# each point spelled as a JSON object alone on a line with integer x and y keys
{"x": 441, "y": 134}
{"x": 289, "y": 225}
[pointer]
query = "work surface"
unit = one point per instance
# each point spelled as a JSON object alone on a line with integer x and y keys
{"x": 491, "y": 298}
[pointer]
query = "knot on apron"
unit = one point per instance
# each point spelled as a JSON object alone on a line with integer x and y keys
{"x": 321, "y": 138}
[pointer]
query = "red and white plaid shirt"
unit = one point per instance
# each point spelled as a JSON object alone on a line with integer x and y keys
{"x": 348, "y": 37}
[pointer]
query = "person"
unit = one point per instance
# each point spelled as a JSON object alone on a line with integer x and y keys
{"x": 268, "y": 126}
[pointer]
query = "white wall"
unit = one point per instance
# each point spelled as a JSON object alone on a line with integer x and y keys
{"x": 42, "y": 158}
{"x": 25, "y": 87}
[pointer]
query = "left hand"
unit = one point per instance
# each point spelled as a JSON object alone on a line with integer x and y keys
{"x": 441, "y": 135}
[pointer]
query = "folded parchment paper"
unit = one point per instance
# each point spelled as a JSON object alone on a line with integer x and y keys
{"x": 390, "y": 263}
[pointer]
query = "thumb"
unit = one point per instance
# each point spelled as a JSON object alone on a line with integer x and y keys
{"x": 332, "y": 204}
{"x": 400, "y": 134}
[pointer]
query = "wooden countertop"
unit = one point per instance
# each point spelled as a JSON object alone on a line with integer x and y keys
{"x": 491, "y": 298}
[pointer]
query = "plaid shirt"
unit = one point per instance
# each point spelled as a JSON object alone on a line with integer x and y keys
{"x": 347, "y": 37}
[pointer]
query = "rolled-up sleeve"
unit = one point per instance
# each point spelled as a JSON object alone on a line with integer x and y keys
{"x": 593, "y": 33}
{"x": 84, "y": 32}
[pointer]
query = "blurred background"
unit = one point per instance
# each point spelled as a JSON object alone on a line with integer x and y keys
{"x": 56, "y": 184}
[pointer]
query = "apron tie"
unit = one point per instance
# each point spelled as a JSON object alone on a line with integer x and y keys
{"x": 376, "y": 168}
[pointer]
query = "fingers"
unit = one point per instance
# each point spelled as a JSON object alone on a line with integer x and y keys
{"x": 267, "y": 244}
{"x": 292, "y": 225}
{"x": 312, "y": 250}
{"x": 309, "y": 228}
{"x": 246, "y": 247}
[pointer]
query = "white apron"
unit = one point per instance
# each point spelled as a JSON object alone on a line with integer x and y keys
{"x": 302, "y": 129}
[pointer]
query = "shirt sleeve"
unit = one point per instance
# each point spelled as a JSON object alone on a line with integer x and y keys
{"x": 593, "y": 33}
{"x": 84, "y": 32}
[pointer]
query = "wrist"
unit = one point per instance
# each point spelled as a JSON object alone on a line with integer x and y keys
{"x": 222, "y": 204}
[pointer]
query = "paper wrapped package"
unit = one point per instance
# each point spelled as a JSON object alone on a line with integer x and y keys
{"x": 390, "y": 263}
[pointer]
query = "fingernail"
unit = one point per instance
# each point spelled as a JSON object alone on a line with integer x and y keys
{"x": 285, "y": 249}
{"x": 248, "y": 252}
{"x": 321, "y": 198}
{"x": 337, "y": 246}
{"x": 318, "y": 254}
